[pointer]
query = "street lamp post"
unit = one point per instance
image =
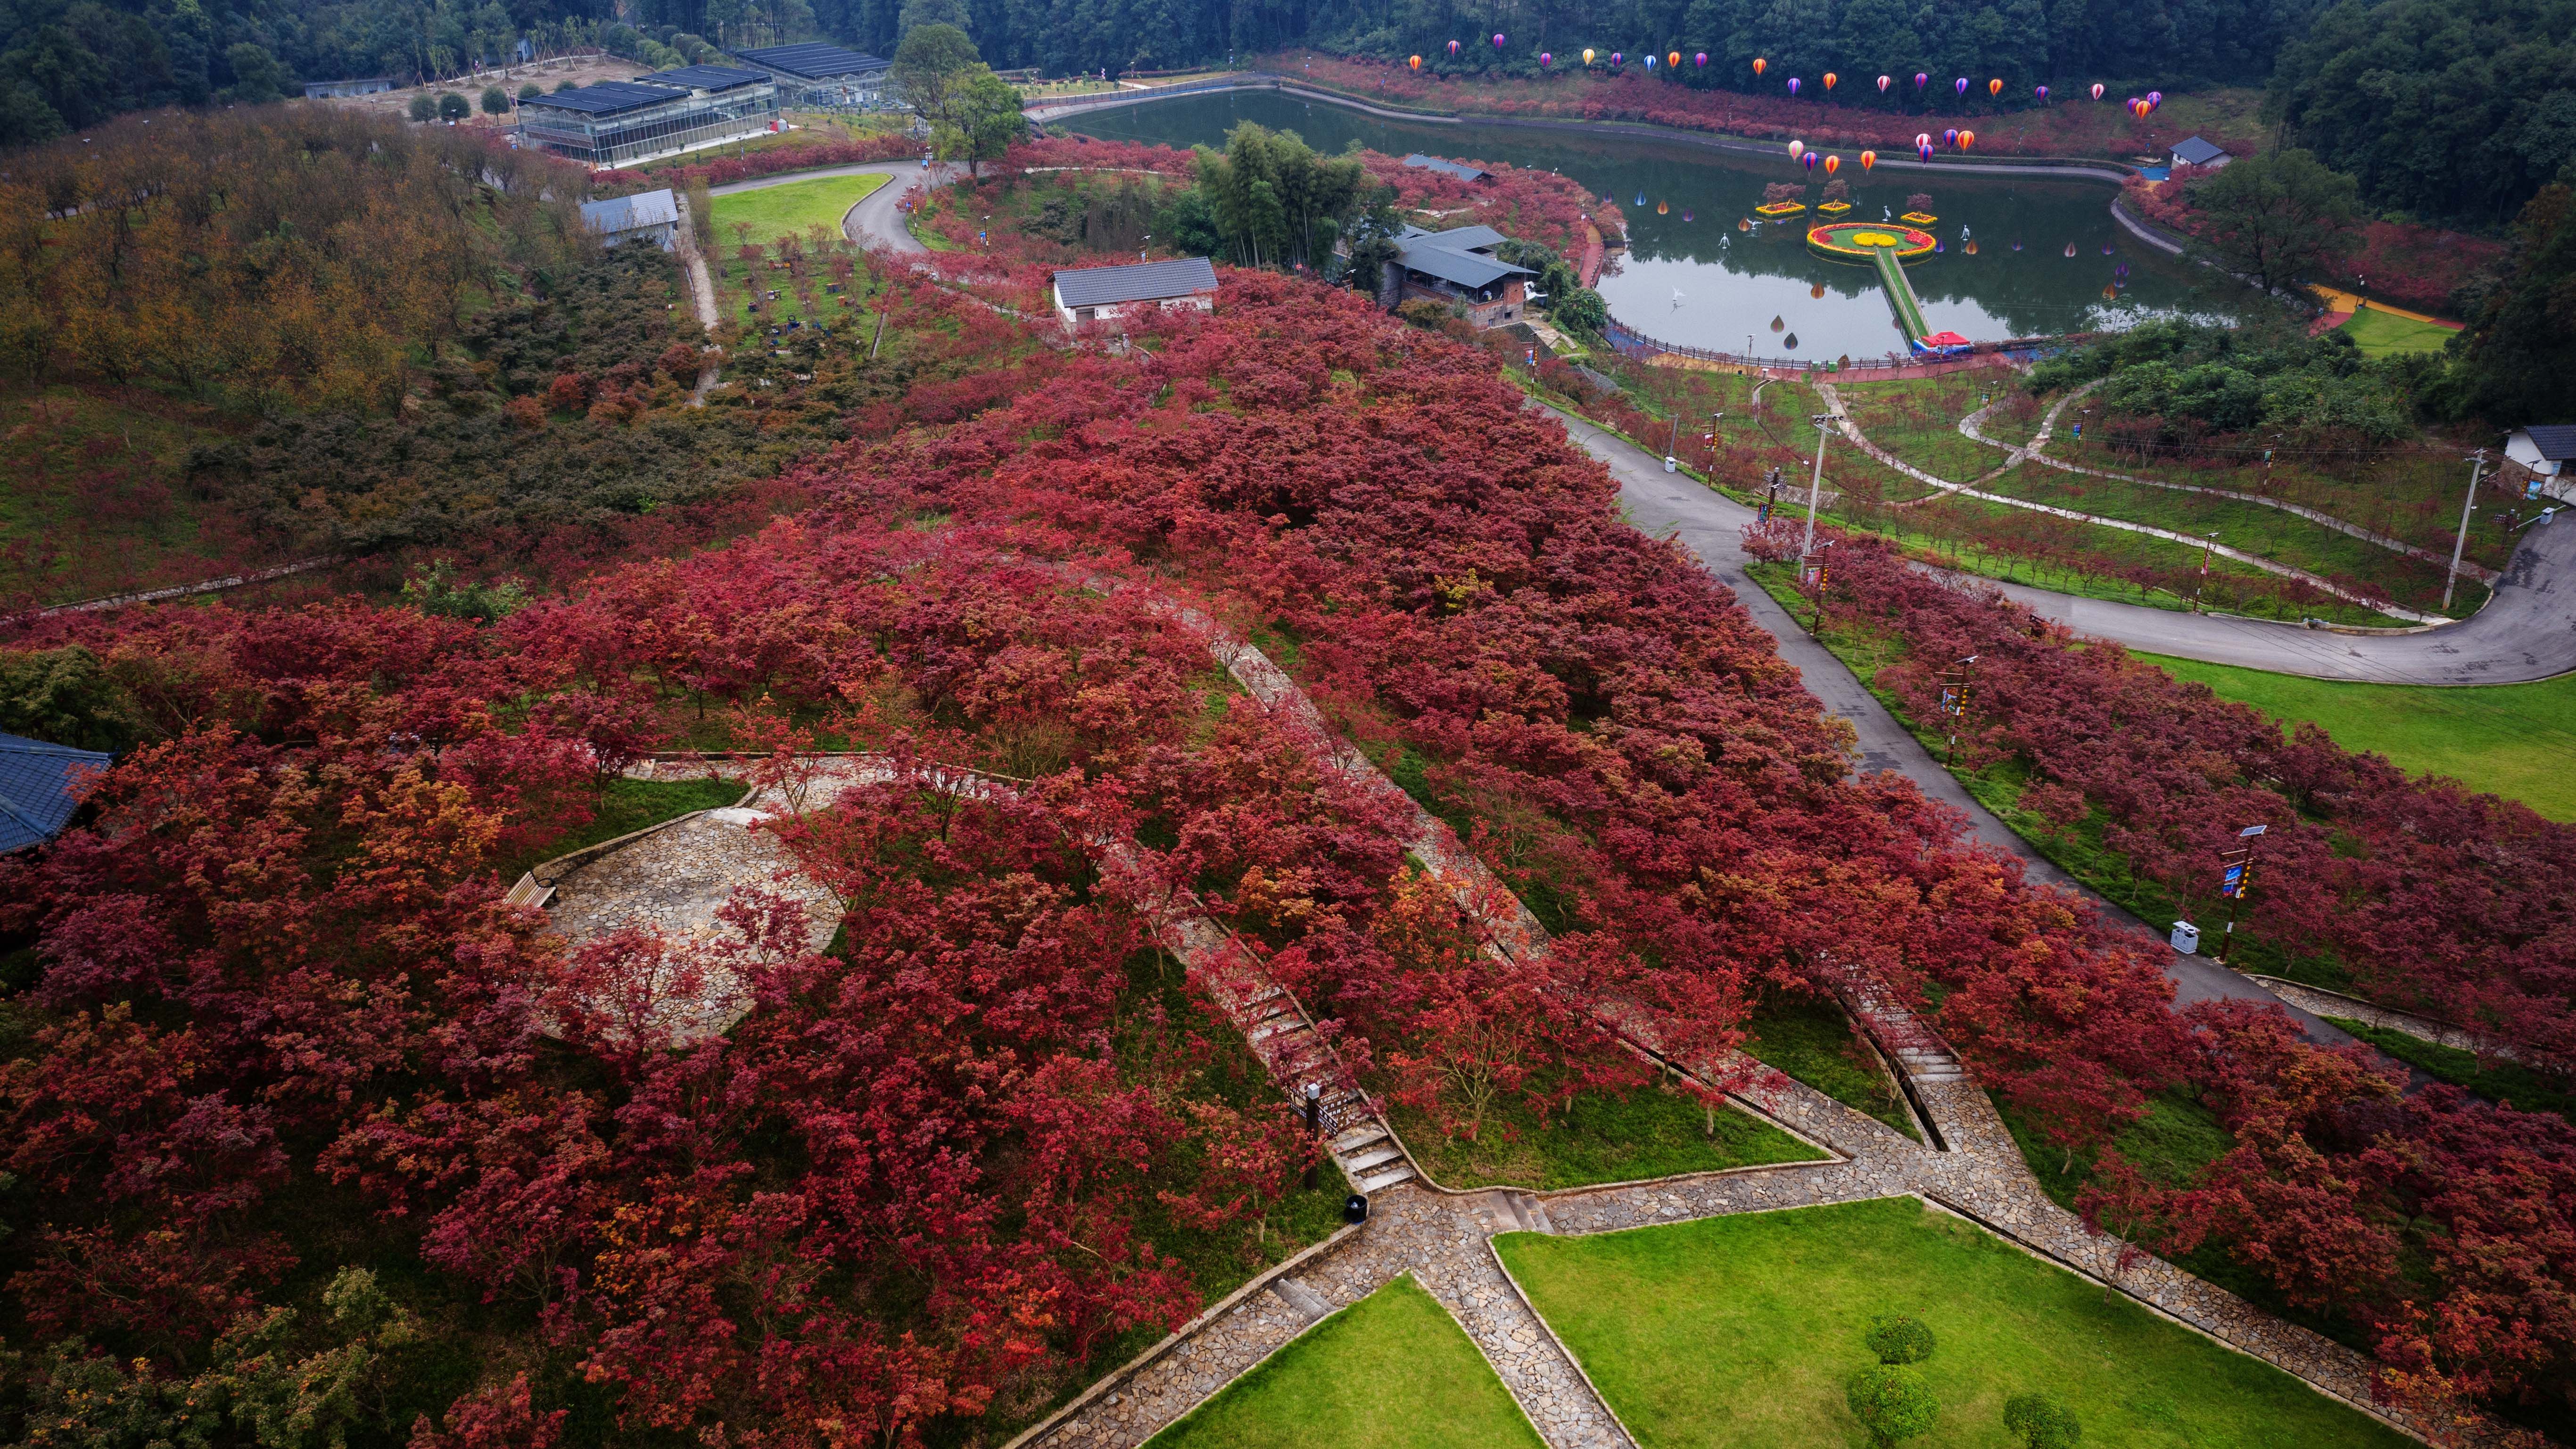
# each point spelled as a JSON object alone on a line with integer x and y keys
{"x": 2477, "y": 465}
{"x": 1807, "y": 543}
{"x": 2208, "y": 541}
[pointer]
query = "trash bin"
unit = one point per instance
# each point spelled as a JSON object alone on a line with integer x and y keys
{"x": 1355, "y": 1209}
{"x": 1671, "y": 463}
{"x": 2186, "y": 938}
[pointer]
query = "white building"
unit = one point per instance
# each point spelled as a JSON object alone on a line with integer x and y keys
{"x": 618, "y": 123}
{"x": 816, "y": 74}
{"x": 652, "y": 217}
{"x": 2535, "y": 461}
{"x": 2193, "y": 151}
{"x": 1108, "y": 294}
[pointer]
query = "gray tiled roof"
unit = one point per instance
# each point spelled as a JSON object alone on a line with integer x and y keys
{"x": 1456, "y": 256}
{"x": 1135, "y": 282}
{"x": 631, "y": 213}
{"x": 2556, "y": 441}
{"x": 2197, "y": 152}
{"x": 1458, "y": 169}
{"x": 40, "y": 787}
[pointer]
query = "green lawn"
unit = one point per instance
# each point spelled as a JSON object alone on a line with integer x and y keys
{"x": 2512, "y": 740}
{"x": 1917, "y": 419}
{"x": 2384, "y": 334}
{"x": 1741, "y": 1331}
{"x": 1651, "y": 1133}
{"x": 1392, "y": 1371}
{"x": 787, "y": 210}
{"x": 1811, "y": 1041}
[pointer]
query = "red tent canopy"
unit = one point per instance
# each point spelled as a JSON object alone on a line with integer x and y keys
{"x": 1946, "y": 339}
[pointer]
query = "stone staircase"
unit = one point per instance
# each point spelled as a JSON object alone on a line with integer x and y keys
{"x": 1509, "y": 1210}
{"x": 1299, "y": 1059}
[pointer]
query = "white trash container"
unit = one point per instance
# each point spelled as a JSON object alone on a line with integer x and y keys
{"x": 2186, "y": 938}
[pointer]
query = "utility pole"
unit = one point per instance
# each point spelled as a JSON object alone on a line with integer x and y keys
{"x": 2207, "y": 542}
{"x": 2235, "y": 877}
{"x": 1954, "y": 703}
{"x": 1807, "y": 544}
{"x": 2477, "y": 465}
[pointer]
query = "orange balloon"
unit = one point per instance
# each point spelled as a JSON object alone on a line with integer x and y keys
{"x": 1674, "y": 60}
{"x": 1830, "y": 78}
{"x": 1833, "y": 164}
{"x": 1994, "y": 88}
{"x": 1416, "y": 62}
{"x": 1967, "y": 139}
{"x": 1760, "y": 65}
{"x": 1868, "y": 159}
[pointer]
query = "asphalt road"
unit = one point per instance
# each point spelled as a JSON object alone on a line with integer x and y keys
{"x": 1711, "y": 526}
{"x": 875, "y": 221}
{"x": 2527, "y": 631}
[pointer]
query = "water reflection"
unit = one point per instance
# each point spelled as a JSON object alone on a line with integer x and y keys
{"x": 1734, "y": 274}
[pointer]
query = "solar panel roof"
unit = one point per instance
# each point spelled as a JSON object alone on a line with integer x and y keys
{"x": 813, "y": 60}
{"x": 707, "y": 77}
{"x": 604, "y": 97}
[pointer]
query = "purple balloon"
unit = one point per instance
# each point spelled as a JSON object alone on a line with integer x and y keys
{"x": 1961, "y": 85}
{"x": 1793, "y": 85}
{"x": 1920, "y": 80}
{"x": 1617, "y": 59}
{"x": 2043, "y": 95}
{"x": 1702, "y": 59}
{"x": 2155, "y": 98}
{"x": 1545, "y": 59}
{"x": 1498, "y": 40}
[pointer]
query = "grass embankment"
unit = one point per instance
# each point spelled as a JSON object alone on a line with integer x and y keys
{"x": 2385, "y": 334}
{"x": 764, "y": 217}
{"x": 627, "y": 806}
{"x": 2508, "y": 1083}
{"x": 1653, "y": 1132}
{"x": 94, "y": 501}
{"x": 1392, "y": 1371}
{"x": 2512, "y": 740}
{"x": 1812, "y": 1042}
{"x": 1742, "y": 1331}
{"x": 2282, "y": 537}
{"x": 1917, "y": 419}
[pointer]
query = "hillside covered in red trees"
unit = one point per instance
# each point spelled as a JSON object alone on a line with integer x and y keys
{"x": 302, "y": 1117}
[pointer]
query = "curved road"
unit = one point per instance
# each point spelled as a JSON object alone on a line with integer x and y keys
{"x": 1711, "y": 525}
{"x": 875, "y": 221}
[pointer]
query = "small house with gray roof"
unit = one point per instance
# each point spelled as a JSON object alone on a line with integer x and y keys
{"x": 41, "y": 785}
{"x": 1458, "y": 267}
{"x": 648, "y": 216}
{"x": 1089, "y": 296}
{"x": 2536, "y": 458}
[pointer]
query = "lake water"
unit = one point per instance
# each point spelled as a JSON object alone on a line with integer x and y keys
{"x": 1692, "y": 276}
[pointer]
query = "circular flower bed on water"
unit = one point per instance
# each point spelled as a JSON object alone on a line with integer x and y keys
{"x": 1854, "y": 241}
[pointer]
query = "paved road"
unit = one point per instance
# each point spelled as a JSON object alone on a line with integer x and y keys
{"x": 874, "y": 221}
{"x": 1710, "y": 525}
{"x": 2527, "y": 631}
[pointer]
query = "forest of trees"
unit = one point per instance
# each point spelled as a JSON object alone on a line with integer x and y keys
{"x": 2451, "y": 110}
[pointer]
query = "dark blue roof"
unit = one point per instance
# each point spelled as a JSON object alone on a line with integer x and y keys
{"x": 40, "y": 786}
{"x": 705, "y": 77}
{"x": 813, "y": 60}
{"x": 605, "y": 97}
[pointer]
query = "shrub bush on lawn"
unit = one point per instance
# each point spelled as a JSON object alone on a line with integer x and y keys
{"x": 1892, "y": 1404}
{"x": 1899, "y": 1338}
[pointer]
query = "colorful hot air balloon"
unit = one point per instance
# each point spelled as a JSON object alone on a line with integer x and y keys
{"x": 1453, "y": 47}
{"x": 1994, "y": 88}
{"x": 1587, "y": 57}
{"x": 1415, "y": 62}
{"x": 2070, "y": 249}
{"x": 1498, "y": 40}
{"x": 1883, "y": 84}
{"x": 1868, "y": 159}
{"x": 1760, "y": 65}
{"x": 1700, "y": 60}
{"x": 1663, "y": 208}
{"x": 1808, "y": 160}
{"x": 1949, "y": 138}
{"x": 1921, "y": 80}
{"x": 1545, "y": 60}
{"x": 1833, "y": 164}
{"x": 1674, "y": 59}
{"x": 1922, "y": 138}
{"x": 1797, "y": 149}
{"x": 1686, "y": 216}
{"x": 2097, "y": 90}
{"x": 1923, "y": 150}
{"x": 2042, "y": 93}
{"x": 1649, "y": 60}
{"x": 1960, "y": 85}
{"x": 1830, "y": 78}
{"x": 1618, "y": 59}
{"x": 1967, "y": 139}
{"x": 2155, "y": 100}
{"x": 1793, "y": 85}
